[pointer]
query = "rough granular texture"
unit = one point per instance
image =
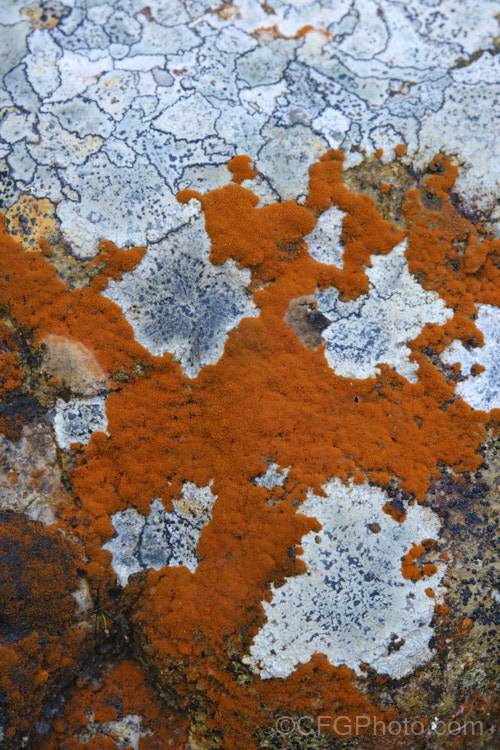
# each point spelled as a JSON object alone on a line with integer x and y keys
{"x": 201, "y": 504}
{"x": 39, "y": 643}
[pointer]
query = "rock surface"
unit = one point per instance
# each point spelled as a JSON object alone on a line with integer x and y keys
{"x": 249, "y": 336}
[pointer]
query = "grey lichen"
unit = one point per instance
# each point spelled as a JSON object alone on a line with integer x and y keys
{"x": 481, "y": 391}
{"x": 163, "y": 537}
{"x": 352, "y": 604}
{"x": 377, "y": 327}
{"x": 178, "y": 301}
{"x": 75, "y": 421}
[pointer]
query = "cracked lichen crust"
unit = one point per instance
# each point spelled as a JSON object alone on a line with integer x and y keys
{"x": 482, "y": 390}
{"x": 352, "y": 604}
{"x": 163, "y": 537}
{"x": 75, "y": 421}
{"x": 125, "y": 105}
{"x": 176, "y": 300}
{"x": 377, "y": 327}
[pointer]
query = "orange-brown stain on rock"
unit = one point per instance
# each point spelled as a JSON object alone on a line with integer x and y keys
{"x": 113, "y": 697}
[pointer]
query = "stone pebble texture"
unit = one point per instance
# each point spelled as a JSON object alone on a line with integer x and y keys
{"x": 249, "y": 347}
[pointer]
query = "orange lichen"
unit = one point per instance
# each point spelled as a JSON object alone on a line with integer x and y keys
{"x": 477, "y": 369}
{"x": 241, "y": 169}
{"x": 430, "y": 593}
{"x": 11, "y": 371}
{"x": 429, "y": 569}
{"x": 451, "y": 255}
{"x": 274, "y": 33}
{"x": 38, "y": 572}
{"x": 379, "y": 153}
{"x": 268, "y": 398}
{"x": 121, "y": 693}
{"x": 114, "y": 262}
{"x": 400, "y": 149}
{"x": 410, "y": 569}
{"x": 43, "y": 306}
{"x": 442, "y": 609}
{"x": 385, "y": 187}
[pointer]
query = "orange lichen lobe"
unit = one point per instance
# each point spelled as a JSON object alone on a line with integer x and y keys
{"x": 410, "y": 570}
{"x": 430, "y": 593}
{"x": 429, "y": 569}
{"x": 450, "y": 254}
{"x": 114, "y": 262}
{"x": 400, "y": 149}
{"x": 477, "y": 369}
{"x": 241, "y": 169}
{"x": 120, "y": 693}
{"x": 364, "y": 231}
{"x": 385, "y": 187}
{"x": 379, "y": 153}
{"x": 43, "y": 306}
{"x": 11, "y": 371}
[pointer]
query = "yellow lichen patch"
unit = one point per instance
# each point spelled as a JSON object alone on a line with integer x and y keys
{"x": 45, "y": 14}
{"x": 31, "y": 220}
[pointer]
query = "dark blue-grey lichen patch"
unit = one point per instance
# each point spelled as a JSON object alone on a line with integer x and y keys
{"x": 177, "y": 301}
{"x": 163, "y": 537}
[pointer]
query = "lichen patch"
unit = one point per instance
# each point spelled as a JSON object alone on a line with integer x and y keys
{"x": 480, "y": 389}
{"x": 378, "y": 327}
{"x": 177, "y": 301}
{"x": 163, "y": 537}
{"x": 352, "y": 603}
